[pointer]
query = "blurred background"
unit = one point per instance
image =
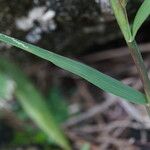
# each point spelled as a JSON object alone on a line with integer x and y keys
{"x": 84, "y": 30}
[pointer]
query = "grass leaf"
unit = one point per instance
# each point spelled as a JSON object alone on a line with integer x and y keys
{"x": 33, "y": 103}
{"x": 124, "y": 2}
{"x": 141, "y": 16}
{"x": 92, "y": 75}
{"x": 119, "y": 9}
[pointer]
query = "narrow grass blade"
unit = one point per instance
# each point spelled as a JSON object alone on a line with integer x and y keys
{"x": 124, "y": 2}
{"x": 142, "y": 14}
{"x": 119, "y": 10}
{"x": 33, "y": 103}
{"x": 95, "y": 77}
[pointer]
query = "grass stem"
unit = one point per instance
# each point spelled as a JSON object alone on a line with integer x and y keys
{"x": 138, "y": 60}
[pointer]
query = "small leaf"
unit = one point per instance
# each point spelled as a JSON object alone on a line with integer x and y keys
{"x": 92, "y": 75}
{"x": 142, "y": 14}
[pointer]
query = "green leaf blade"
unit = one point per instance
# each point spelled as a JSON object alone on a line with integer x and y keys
{"x": 142, "y": 14}
{"x": 92, "y": 75}
{"x": 119, "y": 10}
{"x": 33, "y": 103}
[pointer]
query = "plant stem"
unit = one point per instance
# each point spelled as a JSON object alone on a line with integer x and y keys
{"x": 119, "y": 8}
{"x": 138, "y": 60}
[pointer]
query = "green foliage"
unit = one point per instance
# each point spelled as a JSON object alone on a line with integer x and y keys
{"x": 95, "y": 77}
{"x": 118, "y": 7}
{"x": 120, "y": 13}
{"x": 141, "y": 16}
{"x": 123, "y": 2}
{"x": 33, "y": 103}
